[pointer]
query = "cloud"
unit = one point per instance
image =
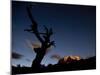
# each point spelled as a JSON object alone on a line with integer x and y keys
{"x": 32, "y": 45}
{"x": 16, "y": 55}
{"x": 28, "y": 60}
{"x": 55, "y": 56}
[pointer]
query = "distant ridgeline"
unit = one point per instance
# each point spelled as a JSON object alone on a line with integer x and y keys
{"x": 66, "y": 59}
{"x": 69, "y": 59}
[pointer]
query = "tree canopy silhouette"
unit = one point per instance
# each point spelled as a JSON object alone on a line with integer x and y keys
{"x": 43, "y": 38}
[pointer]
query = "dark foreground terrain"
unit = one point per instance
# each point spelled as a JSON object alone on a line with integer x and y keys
{"x": 83, "y": 64}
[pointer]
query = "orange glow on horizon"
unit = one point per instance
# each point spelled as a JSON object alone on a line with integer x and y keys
{"x": 72, "y": 57}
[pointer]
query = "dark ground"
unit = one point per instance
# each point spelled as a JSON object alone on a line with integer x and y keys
{"x": 83, "y": 64}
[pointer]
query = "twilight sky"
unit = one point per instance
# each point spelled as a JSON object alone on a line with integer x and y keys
{"x": 74, "y": 29}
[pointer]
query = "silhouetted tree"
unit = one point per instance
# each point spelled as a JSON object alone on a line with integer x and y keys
{"x": 18, "y": 66}
{"x": 43, "y": 37}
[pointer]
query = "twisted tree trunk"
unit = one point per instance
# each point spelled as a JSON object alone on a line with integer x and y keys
{"x": 36, "y": 62}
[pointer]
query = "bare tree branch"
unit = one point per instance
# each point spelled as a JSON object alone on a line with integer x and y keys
{"x": 34, "y": 26}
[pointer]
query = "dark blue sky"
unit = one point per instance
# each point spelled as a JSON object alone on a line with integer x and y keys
{"x": 74, "y": 29}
